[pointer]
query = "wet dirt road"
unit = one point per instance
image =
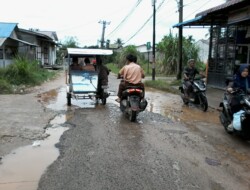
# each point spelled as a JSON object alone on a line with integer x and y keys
{"x": 169, "y": 147}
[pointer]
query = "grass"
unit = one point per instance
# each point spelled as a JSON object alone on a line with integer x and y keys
{"x": 161, "y": 84}
{"x": 164, "y": 85}
{"x": 22, "y": 73}
{"x": 113, "y": 68}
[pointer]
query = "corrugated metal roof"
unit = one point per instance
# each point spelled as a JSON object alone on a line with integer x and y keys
{"x": 220, "y": 7}
{"x": 6, "y": 29}
{"x": 2, "y": 40}
{"x": 24, "y": 42}
{"x": 217, "y": 15}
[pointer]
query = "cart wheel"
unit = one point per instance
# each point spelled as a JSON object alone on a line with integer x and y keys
{"x": 68, "y": 99}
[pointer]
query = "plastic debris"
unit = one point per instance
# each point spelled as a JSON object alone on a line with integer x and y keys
{"x": 212, "y": 162}
{"x": 36, "y": 143}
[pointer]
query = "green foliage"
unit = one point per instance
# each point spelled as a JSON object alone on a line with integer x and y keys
{"x": 120, "y": 59}
{"x": 169, "y": 48}
{"x": 70, "y": 42}
{"x": 113, "y": 67}
{"x": 161, "y": 85}
{"x": 24, "y": 72}
{"x": 5, "y": 87}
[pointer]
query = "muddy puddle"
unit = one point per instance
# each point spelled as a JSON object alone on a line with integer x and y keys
{"x": 23, "y": 168}
{"x": 166, "y": 104}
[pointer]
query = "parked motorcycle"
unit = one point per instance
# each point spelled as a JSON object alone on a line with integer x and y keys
{"x": 198, "y": 94}
{"x": 132, "y": 102}
{"x": 226, "y": 116}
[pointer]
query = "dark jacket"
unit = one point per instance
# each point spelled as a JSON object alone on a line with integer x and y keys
{"x": 241, "y": 82}
{"x": 190, "y": 72}
{"x": 103, "y": 73}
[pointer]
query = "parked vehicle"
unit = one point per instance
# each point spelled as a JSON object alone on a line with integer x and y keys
{"x": 132, "y": 102}
{"x": 226, "y": 116}
{"x": 198, "y": 94}
{"x": 81, "y": 83}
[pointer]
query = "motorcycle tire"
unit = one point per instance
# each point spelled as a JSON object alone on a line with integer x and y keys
{"x": 185, "y": 101}
{"x": 132, "y": 116}
{"x": 68, "y": 99}
{"x": 224, "y": 122}
{"x": 203, "y": 103}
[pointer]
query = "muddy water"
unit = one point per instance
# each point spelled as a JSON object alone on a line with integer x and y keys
{"x": 23, "y": 168}
{"x": 20, "y": 170}
{"x": 171, "y": 105}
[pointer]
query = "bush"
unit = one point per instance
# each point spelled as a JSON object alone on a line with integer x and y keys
{"x": 22, "y": 73}
{"x": 26, "y": 72}
{"x": 5, "y": 87}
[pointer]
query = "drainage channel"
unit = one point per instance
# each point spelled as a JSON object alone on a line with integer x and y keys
{"x": 23, "y": 168}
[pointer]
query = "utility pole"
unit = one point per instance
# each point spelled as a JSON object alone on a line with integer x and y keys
{"x": 153, "y": 63}
{"x": 104, "y": 23}
{"x": 179, "y": 67}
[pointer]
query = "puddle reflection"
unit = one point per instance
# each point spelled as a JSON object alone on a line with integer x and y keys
{"x": 23, "y": 168}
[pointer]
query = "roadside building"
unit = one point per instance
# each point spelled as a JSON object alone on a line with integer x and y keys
{"x": 34, "y": 45}
{"x": 46, "y": 44}
{"x": 229, "y": 42}
{"x": 10, "y": 43}
{"x": 203, "y": 46}
{"x": 145, "y": 51}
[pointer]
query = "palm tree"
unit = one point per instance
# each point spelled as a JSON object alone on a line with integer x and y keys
{"x": 119, "y": 42}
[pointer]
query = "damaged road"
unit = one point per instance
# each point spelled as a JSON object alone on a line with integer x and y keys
{"x": 169, "y": 147}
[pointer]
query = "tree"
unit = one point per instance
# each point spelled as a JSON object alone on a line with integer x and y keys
{"x": 121, "y": 56}
{"x": 168, "y": 47}
{"x": 70, "y": 42}
{"x": 119, "y": 42}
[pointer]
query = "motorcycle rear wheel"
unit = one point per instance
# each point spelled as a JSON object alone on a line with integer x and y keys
{"x": 132, "y": 116}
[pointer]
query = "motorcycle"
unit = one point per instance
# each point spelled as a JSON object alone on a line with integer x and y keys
{"x": 132, "y": 101}
{"x": 198, "y": 93}
{"x": 226, "y": 116}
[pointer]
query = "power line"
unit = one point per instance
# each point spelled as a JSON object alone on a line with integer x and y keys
{"x": 197, "y": 9}
{"x": 129, "y": 14}
{"x": 145, "y": 23}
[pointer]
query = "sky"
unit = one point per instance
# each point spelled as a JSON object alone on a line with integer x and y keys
{"x": 129, "y": 20}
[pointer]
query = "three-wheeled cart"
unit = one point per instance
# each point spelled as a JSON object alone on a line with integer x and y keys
{"x": 81, "y": 83}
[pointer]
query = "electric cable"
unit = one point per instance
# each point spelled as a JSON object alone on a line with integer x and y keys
{"x": 126, "y": 17}
{"x": 145, "y": 23}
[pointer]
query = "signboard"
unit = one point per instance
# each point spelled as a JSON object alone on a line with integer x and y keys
{"x": 148, "y": 45}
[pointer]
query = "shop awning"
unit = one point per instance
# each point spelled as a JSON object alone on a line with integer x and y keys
{"x": 191, "y": 22}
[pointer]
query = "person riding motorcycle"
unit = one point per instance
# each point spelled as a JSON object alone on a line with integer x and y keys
{"x": 241, "y": 81}
{"x": 132, "y": 75}
{"x": 189, "y": 74}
